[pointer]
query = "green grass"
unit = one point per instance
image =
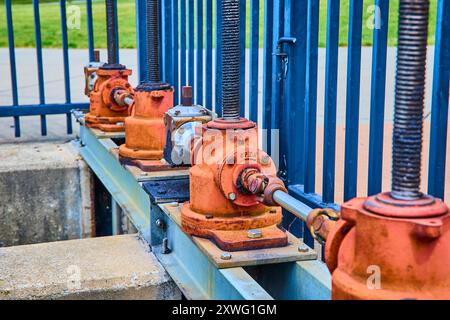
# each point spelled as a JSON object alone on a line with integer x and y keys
{"x": 51, "y": 34}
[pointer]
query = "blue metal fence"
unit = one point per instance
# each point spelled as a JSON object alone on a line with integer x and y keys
{"x": 191, "y": 55}
{"x": 42, "y": 109}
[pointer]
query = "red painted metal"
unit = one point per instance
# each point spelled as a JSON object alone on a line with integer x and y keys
{"x": 105, "y": 112}
{"x": 381, "y": 248}
{"x": 144, "y": 130}
{"x": 221, "y": 205}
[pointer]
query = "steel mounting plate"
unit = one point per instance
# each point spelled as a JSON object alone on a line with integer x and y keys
{"x": 290, "y": 253}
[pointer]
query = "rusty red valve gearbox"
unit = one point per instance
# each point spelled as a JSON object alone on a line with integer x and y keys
{"x": 226, "y": 203}
{"x": 106, "y": 112}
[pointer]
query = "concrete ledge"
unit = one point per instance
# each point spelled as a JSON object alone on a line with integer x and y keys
{"x": 44, "y": 193}
{"x": 117, "y": 267}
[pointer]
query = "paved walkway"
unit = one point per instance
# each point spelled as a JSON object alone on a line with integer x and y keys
{"x": 53, "y": 66}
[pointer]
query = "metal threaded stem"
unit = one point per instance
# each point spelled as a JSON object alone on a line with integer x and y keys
{"x": 153, "y": 40}
{"x": 111, "y": 27}
{"x": 409, "y": 99}
{"x": 230, "y": 60}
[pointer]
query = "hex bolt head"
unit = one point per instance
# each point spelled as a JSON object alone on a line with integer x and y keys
{"x": 232, "y": 196}
{"x": 225, "y": 256}
{"x": 254, "y": 233}
{"x": 303, "y": 248}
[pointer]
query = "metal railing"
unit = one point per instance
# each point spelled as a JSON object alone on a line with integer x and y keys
{"x": 42, "y": 109}
{"x": 190, "y": 54}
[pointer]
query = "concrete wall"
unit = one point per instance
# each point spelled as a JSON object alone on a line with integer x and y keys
{"x": 117, "y": 267}
{"x": 44, "y": 193}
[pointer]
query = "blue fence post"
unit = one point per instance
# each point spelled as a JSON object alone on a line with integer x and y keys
{"x": 267, "y": 72}
{"x": 37, "y": 35}
{"x": 90, "y": 29}
{"x": 175, "y": 51}
{"x": 12, "y": 64}
{"x": 218, "y": 71}
{"x": 209, "y": 55}
{"x": 439, "y": 108}
{"x": 274, "y": 115}
{"x": 242, "y": 37}
{"x": 166, "y": 45}
{"x": 293, "y": 109}
{"x": 199, "y": 70}
{"x": 378, "y": 90}
{"x": 65, "y": 49}
{"x": 293, "y": 103}
{"x": 352, "y": 107}
{"x": 141, "y": 39}
{"x": 254, "y": 60}
{"x": 191, "y": 40}
{"x": 312, "y": 50}
{"x": 331, "y": 68}
{"x": 183, "y": 69}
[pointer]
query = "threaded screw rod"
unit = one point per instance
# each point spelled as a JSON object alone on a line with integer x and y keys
{"x": 409, "y": 99}
{"x": 153, "y": 40}
{"x": 111, "y": 27}
{"x": 230, "y": 60}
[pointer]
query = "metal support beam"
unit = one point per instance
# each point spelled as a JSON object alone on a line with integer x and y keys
{"x": 193, "y": 271}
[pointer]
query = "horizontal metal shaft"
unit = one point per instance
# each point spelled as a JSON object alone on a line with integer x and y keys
{"x": 297, "y": 208}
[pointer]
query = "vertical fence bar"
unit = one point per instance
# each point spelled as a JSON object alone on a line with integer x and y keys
{"x": 208, "y": 58}
{"x": 183, "y": 70}
{"x": 12, "y": 64}
{"x": 166, "y": 44}
{"x": 312, "y": 52}
{"x": 199, "y": 71}
{"x": 293, "y": 110}
{"x": 218, "y": 71}
{"x": 275, "y": 114}
{"x": 439, "y": 108}
{"x": 242, "y": 37}
{"x": 352, "y": 107}
{"x": 331, "y": 69}
{"x": 90, "y": 29}
{"x": 191, "y": 40}
{"x": 254, "y": 59}
{"x": 141, "y": 40}
{"x": 267, "y": 72}
{"x": 378, "y": 90}
{"x": 66, "y": 61}
{"x": 37, "y": 35}
{"x": 175, "y": 50}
